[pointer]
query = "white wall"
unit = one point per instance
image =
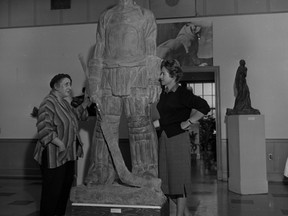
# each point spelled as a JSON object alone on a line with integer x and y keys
{"x": 261, "y": 40}
{"x": 29, "y": 57}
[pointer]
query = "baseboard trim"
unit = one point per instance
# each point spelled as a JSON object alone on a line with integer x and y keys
{"x": 20, "y": 173}
{"x": 16, "y": 159}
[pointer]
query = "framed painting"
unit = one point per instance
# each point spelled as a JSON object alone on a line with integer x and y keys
{"x": 191, "y": 42}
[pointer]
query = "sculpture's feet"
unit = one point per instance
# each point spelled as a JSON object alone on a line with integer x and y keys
{"x": 145, "y": 170}
{"x": 153, "y": 183}
{"x": 99, "y": 181}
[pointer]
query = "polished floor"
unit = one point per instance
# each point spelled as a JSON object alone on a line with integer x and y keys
{"x": 20, "y": 197}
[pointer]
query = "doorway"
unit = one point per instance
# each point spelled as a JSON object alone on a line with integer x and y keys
{"x": 208, "y": 75}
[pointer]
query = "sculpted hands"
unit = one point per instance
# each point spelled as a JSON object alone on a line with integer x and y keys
{"x": 95, "y": 96}
{"x": 154, "y": 93}
{"x": 92, "y": 73}
{"x": 87, "y": 102}
{"x": 153, "y": 66}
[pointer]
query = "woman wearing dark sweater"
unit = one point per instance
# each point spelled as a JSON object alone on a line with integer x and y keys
{"x": 175, "y": 108}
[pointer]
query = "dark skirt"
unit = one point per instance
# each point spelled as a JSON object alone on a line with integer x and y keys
{"x": 175, "y": 164}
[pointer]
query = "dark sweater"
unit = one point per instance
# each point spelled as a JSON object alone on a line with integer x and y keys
{"x": 175, "y": 107}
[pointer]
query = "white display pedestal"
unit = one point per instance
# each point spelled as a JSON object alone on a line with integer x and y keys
{"x": 247, "y": 152}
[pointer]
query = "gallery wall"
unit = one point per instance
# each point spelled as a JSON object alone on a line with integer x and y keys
{"x": 19, "y": 13}
{"x": 29, "y": 57}
{"x": 261, "y": 40}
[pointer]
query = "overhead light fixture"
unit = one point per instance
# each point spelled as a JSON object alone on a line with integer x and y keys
{"x": 60, "y": 4}
{"x": 172, "y": 3}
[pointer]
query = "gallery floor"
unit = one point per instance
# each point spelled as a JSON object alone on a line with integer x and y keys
{"x": 20, "y": 197}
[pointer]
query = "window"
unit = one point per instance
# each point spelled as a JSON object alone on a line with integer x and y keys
{"x": 207, "y": 92}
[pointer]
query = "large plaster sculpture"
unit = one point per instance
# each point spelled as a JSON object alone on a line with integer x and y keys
{"x": 123, "y": 74}
{"x": 242, "y": 105}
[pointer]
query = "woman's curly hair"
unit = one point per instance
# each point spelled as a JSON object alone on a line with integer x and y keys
{"x": 174, "y": 68}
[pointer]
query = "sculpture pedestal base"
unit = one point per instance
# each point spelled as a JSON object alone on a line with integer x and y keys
{"x": 247, "y": 154}
{"x": 117, "y": 199}
{"x": 86, "y": 209}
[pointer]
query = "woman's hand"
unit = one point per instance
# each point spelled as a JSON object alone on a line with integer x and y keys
{"x": 185, "y": 125}
{"x": 154, "y": 93}
{"x": 156, "y": 123}
{"x": 59, "y": 144}
{"x": 61, "y": 147}
{"x": 87, "y": 102}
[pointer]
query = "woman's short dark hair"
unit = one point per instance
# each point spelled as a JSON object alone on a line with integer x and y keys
{"x": 174, "y": 68}
{"x": 57, "y": 78}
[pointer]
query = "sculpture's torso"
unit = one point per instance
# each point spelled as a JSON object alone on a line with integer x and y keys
{"x": 124, "y": 37}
